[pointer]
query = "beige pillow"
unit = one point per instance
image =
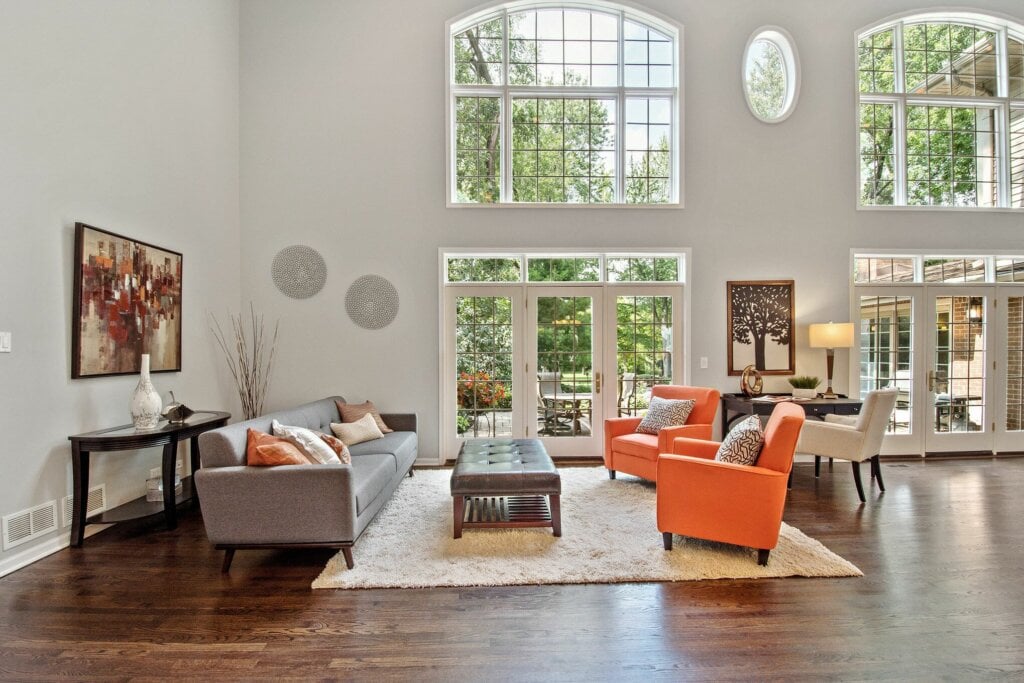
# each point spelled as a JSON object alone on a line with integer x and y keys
{"x": 363, "y": 429}
{"x": 350, "y": 412}
{"x": 307, "y": 441}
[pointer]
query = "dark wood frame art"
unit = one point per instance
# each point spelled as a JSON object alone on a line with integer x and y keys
{"x": 76, "y": 312}
{"x": 729, "y": 297}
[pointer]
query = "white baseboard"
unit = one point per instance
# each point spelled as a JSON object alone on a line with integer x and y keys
{"x": 22, "y": 559}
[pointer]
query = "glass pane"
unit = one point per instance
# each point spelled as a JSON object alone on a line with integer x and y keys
{"x": 565, "y": 368}
{"x": 584, "y": 269}
{"x": 875, "y": 68}
{"x": 960, "y": 363}
{"x": 951, "y": 156}
{"x": 562, "y": 47}
{"x": 766, "y": 80}
{"x": 477, "y": 149}
{"x": 642, "y": 268}
{"x": 483, "y": 270}
{"x": 1017, "y": 157}
{"x": 483, "y": 361}
{"x": 877, "y": 154}
{"x": 1014, "y": 363}
{"x": 954, "y": 270}
{"x": 886, "y": 353}
{"x": 643, "y": 349}
{"x": 648, "y": 150}
{"x": 1010, "y": 269}
{"x": 478, "y": 54}
{"x": 950, "y": 59}
{"x": 879, "y": 269}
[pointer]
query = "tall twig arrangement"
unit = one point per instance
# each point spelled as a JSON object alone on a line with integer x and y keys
{"x": 249, "y": 357}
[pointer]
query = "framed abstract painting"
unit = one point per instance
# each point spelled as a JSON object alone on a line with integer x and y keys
{"x": 127, "y": 302}
{"x": 760, "y": 326}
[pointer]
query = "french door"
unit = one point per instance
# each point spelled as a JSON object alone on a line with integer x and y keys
{"x": 954, "y": 353}
{"x": 551, "y": 362}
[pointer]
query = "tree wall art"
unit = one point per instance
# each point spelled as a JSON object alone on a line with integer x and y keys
{"x": 760, "y": 326}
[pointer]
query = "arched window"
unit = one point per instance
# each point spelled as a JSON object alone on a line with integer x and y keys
{"x": 771, "y": 74}
{"x": 563, "y": 105}
{"x": 941, "y": 112}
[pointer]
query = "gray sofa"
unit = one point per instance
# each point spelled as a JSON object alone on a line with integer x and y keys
{"x": 293, "y": 506}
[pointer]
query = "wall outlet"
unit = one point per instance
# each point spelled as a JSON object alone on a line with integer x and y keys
{"x": 5, "y": 342}
{"x": 703, "y": 362}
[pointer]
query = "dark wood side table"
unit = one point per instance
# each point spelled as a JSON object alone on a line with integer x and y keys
{"x": 124, "y": 438}
{"x": 735, "y": 406}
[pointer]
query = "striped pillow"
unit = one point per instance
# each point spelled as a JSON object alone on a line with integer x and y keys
{"x": 743, "y": 444}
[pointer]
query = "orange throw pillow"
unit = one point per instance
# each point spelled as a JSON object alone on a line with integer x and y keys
{"x": 351, "y": 412}
{"x": 264, "y": 450}
{"x": 338, "y": 446}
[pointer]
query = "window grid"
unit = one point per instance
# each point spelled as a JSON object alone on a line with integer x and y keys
{"x": 1016, "y": 135}
{"x": 648, "y": 149}
{"x": 886, "y": 353}
{"x": 1010, "y": 270}
{"x": 960, "y": 355}
{"x": 1015, "y": 364}
{"x": 922, "y": 62}
{"x": 478, "y": 140}
{"x": 644, "y": 349}
{"x": 535, "y": 44}
{"x": 483, "y": 362}
{"x": 954, "y": 270}
{"x": 877, "y": 153}
{"x": 579, "y": 269}
{"x": 871, "y": 270}
{"x": 483, "y": 270}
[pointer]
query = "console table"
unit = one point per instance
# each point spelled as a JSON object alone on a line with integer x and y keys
{"x": 124, "y": 438}
{"x": 735, "y": 406}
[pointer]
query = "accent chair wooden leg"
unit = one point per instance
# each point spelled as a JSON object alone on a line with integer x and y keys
{"x": 229, "y": 554}
{"x": 611, "y": 474}
{"x": 789, "y": 480}
{"x": 817, "y": 466}
{"x": 347, "y": 552}
{"x": 856, "y": 479}
{"x": 666, "y": 537}
{"x": 556, "y": 514}
{"x": 878, "y": 472}
{"x": 762, "y": 557}
{"x": 412, "y": 472}
{"x": 458, "y": 513}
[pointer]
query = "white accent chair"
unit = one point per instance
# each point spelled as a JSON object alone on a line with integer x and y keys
{"x": 854, "y": 438}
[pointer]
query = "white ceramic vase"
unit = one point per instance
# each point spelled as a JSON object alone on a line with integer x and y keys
{"x": 146, "y": 401}
{"x": 805, "y": 393}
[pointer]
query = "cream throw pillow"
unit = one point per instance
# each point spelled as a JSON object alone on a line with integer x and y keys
{"x": 308, "y": 442}
{"x": 363, "y": 429}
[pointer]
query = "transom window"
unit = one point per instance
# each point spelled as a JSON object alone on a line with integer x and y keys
{"x": 926, "y": 268}
{"x": 941, "y": 109}
{"x": 607, "y": 267}
{"x": 563, "y": 105}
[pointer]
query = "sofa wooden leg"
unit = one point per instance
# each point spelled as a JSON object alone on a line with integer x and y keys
{"x": 611, "y": 474}
{"x": 762, "y": 557}
{"x": 411, "y": 471}
{"x": 666, "y": 537}
{"x": 856, "y": 480}
{"x": 347, "y": 551}
{"x": 229, "y": 554}
{"x": 877, "y": 464}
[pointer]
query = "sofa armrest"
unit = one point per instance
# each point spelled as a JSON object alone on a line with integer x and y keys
{"x": 285, "y": 504}
{"x": 400, "y": 422}
{"x": 831, "y": 440}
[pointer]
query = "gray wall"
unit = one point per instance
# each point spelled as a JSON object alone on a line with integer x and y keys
{"x": 123, "y": 115}
{"x": 343, "y": 149}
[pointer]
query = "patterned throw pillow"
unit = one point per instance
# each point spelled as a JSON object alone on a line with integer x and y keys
{"x": 743, "y": 444}
{"x": 665, "y": 412}
{"x": 307, "y": 441}
{"x": 351, "y": 412}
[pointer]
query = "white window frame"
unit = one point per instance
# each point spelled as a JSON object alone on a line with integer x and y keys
{"x": 784, "y": 43}
{"x": 1002, "y": 26}
{"x": 506, "y": 93}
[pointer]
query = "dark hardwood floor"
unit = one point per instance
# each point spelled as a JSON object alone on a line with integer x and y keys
{"x": 942, "y": 599}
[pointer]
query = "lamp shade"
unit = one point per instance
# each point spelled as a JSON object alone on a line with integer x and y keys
{"x": 831, "y": 335}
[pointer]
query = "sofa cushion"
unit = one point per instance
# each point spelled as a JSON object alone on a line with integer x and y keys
{"x": 370, "y": 475}
{"x": 639, "y": 445}
{"x": 742, "y": 445}
{"x": 264, "y": 450}
{"x": 351, "y": 412}
{"x": 401, "y": 445}
{"x": 664, "y": 413}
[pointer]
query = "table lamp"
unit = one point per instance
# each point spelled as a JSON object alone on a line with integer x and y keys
{"x": 831, "y": 336}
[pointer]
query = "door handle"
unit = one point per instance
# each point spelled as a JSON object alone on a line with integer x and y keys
{"x": 597, "y": 382}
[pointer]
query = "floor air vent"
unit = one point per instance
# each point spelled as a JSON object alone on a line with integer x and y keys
{"x": 96, "y": 504}
{"x": 21, "y": 527}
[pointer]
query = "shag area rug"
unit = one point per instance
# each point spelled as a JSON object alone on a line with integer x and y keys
{"x": 609, "y": 535}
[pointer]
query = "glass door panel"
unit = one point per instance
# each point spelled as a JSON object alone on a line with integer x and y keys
{"x": 564, "y": 332}
{"x": 1010, "y": 427}
{"x": 959, "y": 396}
{"x": 644, "y": 349}
{"x": 484, "y": 384}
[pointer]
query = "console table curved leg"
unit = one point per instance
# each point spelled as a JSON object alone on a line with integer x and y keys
{"x": 170, "y": 500}
{"x": 80, "y": 476}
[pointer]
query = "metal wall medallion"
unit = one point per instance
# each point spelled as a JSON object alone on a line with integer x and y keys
{"x": 299, "y": 271}
{"x": 372, "y": 302}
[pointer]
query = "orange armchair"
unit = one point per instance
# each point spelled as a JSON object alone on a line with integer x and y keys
{"x": 718, "y": 501}
{"x": 627, "y": 451}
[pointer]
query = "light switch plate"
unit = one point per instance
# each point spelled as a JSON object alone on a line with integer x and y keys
{"x": 703, "y": 362}
{"x": 5, "y": 342}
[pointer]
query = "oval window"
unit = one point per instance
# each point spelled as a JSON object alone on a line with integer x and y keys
{"x": 771, "y": 74}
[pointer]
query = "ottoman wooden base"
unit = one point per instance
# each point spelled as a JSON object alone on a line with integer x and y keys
{"x": 507, "y": 512}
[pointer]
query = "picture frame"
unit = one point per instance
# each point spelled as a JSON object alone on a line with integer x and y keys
{"x": 760, "y": 327}
{"x": 127, "y": 302}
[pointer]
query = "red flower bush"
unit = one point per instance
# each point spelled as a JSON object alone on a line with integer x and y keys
{"x": 478, "y": 390}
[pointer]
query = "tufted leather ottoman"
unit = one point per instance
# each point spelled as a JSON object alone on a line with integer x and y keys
{"x": 505, "y": 483}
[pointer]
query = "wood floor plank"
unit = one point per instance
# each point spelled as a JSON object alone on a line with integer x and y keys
{"x": 942, "y": 598}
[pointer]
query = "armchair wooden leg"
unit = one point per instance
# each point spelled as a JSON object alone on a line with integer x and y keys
{"x": 817, "y": 466}
{"x": 666, "y": 537}
{"x": 762, "y": 557}
{"x": 611, "y": 474}
{"x": 229, "y": 554}
{"x": 856, "y": 479}
{"x": 877, "y": 465}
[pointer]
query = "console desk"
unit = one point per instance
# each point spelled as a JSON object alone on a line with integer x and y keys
{"x": 736, "y": 406}
{"x": 124, "y": 438}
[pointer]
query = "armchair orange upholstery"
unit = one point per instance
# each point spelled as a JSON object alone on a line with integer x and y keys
{"x": 627, "y": 451}
{"x": 718, "y": 501}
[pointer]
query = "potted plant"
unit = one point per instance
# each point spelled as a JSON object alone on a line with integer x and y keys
{"x": 804, "y": 386}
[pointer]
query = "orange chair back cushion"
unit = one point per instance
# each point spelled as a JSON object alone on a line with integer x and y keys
{"x": 707, "y": 400}
{"x": 780, "y": 437}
